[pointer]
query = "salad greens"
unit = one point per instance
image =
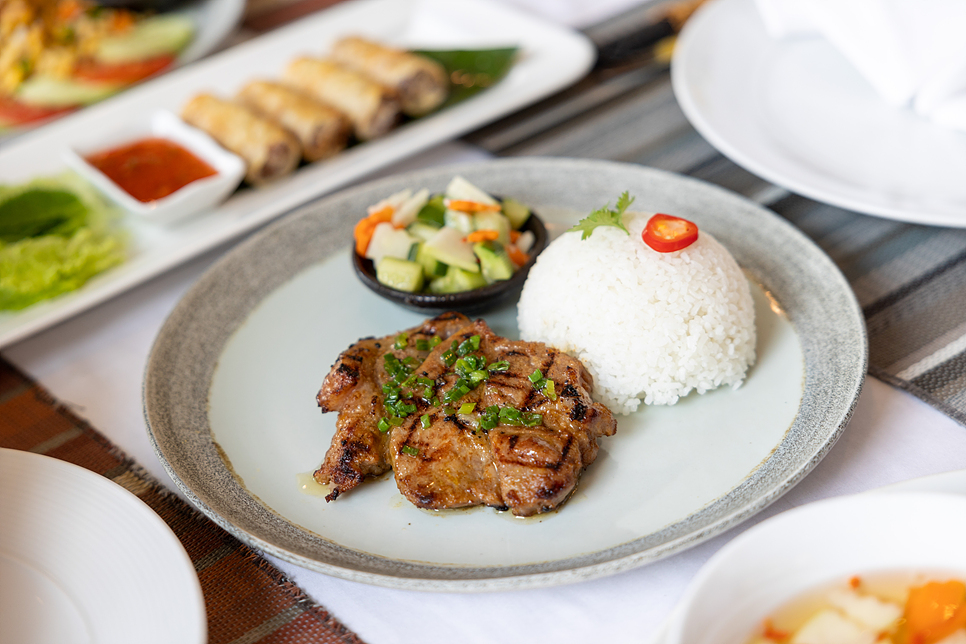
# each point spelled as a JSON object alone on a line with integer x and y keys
{"x": 55, "y": 234}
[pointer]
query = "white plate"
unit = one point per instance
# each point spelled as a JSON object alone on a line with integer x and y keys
{"x": 551, "y": 58}
{"x": 215, "y": 19}
{"x": 796, "y": 113}
{"x": 84, "y": 560}
{"x": 236, "y": 367}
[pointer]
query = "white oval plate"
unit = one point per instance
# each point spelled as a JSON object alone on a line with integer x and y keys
{"x": 236, "y": 367}
{"x": 796, "y": 113}
{"x": 84, "y": 560}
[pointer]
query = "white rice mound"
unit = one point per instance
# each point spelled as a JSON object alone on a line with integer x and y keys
{"x": 647, "y": 325}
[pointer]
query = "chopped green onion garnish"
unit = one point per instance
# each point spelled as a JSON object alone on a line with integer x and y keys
{"x": 502, "y": 365}
{"x": 424, "y": 419}
{"x": 422, "y": 344}
{"x": 434, "y": 341}
{"x": 536, "y": 376}
{"x": 467, "y": 408}
{"x": 401, "y": 341}
{"x": 383, "y": 425}
{"x": 396, "y": 422}
{"x": 408, "y": 449}
{"x": 470, "y": 344}
{"x": 548, "y": 389}
{"x": 511, "y": 415}
{"x": 532, "y": 420}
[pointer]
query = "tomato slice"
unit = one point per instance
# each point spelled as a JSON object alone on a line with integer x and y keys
{"x": 666, "y": 233}
{"x": 14, "y": 113}
{"x": 120, "y": 73}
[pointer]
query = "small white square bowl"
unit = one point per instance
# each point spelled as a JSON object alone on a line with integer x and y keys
{"x": 191, "y": 199}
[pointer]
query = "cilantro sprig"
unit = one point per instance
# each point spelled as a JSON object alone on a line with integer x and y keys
{"x": 605, "y": 217}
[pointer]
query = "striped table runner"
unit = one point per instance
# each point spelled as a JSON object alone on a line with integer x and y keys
{"x": 246, "y": 598}
{"x": 910, "y": 280}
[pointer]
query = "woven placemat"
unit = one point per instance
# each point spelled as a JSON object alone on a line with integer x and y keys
{"x": 247, "y": 599}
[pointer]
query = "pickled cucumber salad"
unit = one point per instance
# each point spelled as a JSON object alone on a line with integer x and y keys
{"x": 460, "y": 240}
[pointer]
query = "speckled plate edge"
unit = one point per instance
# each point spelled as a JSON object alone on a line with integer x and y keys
{"x": 797, "y": 273}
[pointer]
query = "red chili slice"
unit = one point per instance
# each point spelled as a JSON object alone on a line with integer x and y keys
{"x": 14, "y": 113}
{"x": 121, "y": 73}
{"x": 666, "y": 233}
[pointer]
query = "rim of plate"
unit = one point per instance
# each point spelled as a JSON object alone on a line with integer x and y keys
{"x": 688, "y": 40}
{"x": 818, "y": 300}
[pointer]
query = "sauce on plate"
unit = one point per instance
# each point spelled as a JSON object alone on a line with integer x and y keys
{"x": 151, "y": 168}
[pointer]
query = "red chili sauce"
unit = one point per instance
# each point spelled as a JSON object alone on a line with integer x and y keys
{"x": 151, "y": 168}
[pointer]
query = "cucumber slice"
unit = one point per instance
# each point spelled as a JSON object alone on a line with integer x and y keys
{"x": 421, "y": 230}
{"x": 460, "y": 188}
{"x": 461, "y": 221}
{"x": 516, "y": 212}
{"x": 159, "y": 35}
{"x": 400, "y": 274}
{"x": 448, "y": 247}
{"x": 457, "y": 280}
{"x": 495, "y": 265}
{"x": 493, "y": 221}
{"x": 433, "y": 212}
{"x": 46, "y": 91}
{"x": 432, "y": 267}
{"x": 389, "y": 242}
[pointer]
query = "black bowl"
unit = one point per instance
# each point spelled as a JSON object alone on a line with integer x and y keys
{"x": 475, "y": 301}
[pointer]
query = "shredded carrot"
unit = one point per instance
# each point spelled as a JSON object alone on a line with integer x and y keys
{"x": 366, "y": 226}
{"x": 516, "y": 255}
{"x": 514, "y": 236}
{"x": 471, "y": 206}
{"x": 480, "y": 236}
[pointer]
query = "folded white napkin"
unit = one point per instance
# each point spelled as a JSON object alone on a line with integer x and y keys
{"x": 913, "y": 52}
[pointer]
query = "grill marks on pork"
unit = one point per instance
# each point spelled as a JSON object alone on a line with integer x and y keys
{"x": 354, "y": 389}
{"x": 527, "y": 470}
{"x": 451, "y": 462}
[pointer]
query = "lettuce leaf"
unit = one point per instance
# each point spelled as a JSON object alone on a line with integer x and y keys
{"x": 40, "y": 266}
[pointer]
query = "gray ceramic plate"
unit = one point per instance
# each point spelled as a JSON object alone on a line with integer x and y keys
{"x": 230, "y": 384}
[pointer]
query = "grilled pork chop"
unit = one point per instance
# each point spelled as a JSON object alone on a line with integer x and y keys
{"x": 354, "y": 389}
{"x": 490, "y": 421}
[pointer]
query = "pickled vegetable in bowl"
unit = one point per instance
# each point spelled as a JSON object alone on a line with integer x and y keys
{"x": 461, "y": 240}
{"x": 886, "y": 607}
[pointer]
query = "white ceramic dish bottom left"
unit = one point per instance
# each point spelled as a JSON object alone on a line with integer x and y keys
{"x": 84, "y": 560}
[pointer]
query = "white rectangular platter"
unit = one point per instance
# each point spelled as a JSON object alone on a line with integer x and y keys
{"x": 551, "y": 58}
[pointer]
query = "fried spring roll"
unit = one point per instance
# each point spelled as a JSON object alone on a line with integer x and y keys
{"x": 421, "y": 83}
{"x": 269, "y": 150}
{"x": 322, "y": 130}
{"x": 372, "y": 108}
